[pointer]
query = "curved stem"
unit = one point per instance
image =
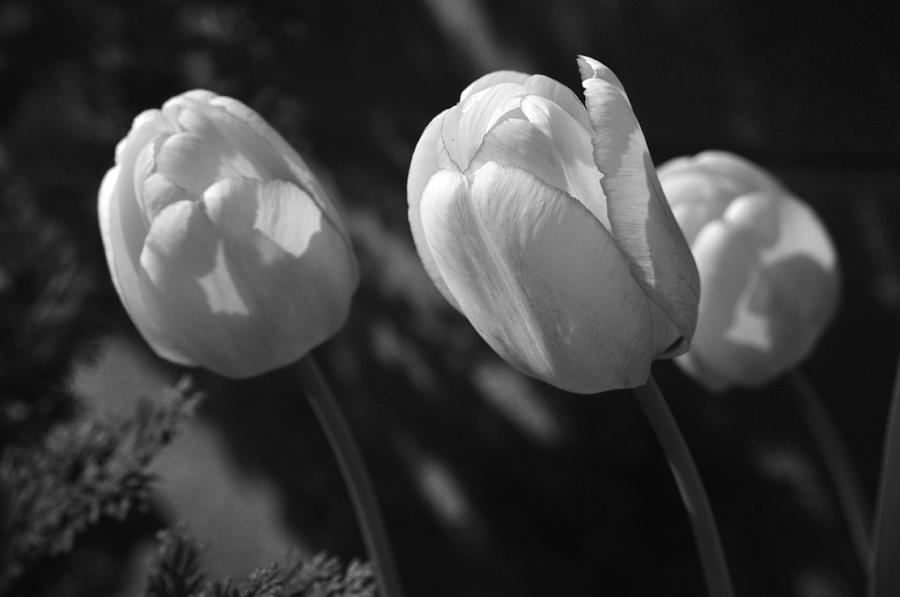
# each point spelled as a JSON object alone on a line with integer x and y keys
{"x": 838, "y": 463}
{"x": 356, "y": 476}
{"x": 884, "y": 574}
{"x": 706, "y": 535}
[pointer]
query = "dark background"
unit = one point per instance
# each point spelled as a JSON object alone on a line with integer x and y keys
{"x": 492, "y": 484}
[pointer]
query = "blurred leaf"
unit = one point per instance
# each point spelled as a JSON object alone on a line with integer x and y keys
{"x": 81, "y": 473}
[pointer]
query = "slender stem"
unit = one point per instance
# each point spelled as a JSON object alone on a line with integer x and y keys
{"x": 838, "y": 462}
{"x": 884, "y": 574}
{"x": 706, "y": 535}
{"x": 356, "y": 476}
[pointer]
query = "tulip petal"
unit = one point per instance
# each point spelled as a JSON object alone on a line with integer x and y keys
{"x": 539, "y": 278}
{"x": 422, "y": 166}
{"x": 696, "y": 197}
{"x": 464, "y": 127}
{"x": 763, "y": 307}
{"x": 750, "y": 176}
{"x": 560, "y": 95}
{"x": 594, "y": 70}
{"x": 242, "y": 275}
{"x": 191, "y": 162}
{"x": 517, "y": 142}
{"x": 252, "y": 130}
{"x": 491, "y": 79}
{"x": 123, "y": 228}
{"x": 640, "y": 218}
{"x": 573, "y": 142}
{"x": 730, "y": 339}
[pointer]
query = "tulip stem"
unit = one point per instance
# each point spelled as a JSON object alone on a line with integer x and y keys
{"x": 838, "y": 463}
{"x": 883, "y": 572}
{"x": 706, "y": 535}
{"x": 356, "y": 476}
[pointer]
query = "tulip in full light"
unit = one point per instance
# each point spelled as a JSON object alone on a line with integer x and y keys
{"x": 768, "y": 270}
{"x": 225, "y": 250}
{"x": 543, "y": 222}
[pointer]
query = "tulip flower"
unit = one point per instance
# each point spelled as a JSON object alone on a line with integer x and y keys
{"x": 768, "y": 270}
{"x": 543, "y": 222}
{"x": 224, "y": 248}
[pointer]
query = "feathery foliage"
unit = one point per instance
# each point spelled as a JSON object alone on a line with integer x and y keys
{"x": 81, "y": 473}
{"x": 176, "y": 573}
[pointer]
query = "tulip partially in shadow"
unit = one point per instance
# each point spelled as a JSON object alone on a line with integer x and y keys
{"x": 768, "y": 270}
{"x": 770, "y": 285}
{"x": 224, "y": 248}
{"x": 228, "y": 254}
{"x": 543, "y": 222}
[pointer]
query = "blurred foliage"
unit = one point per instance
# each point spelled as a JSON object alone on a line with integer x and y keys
{"x": 176, "y": 573}
{"x": 81, "y": 473}
{"x": 491, "y": 483}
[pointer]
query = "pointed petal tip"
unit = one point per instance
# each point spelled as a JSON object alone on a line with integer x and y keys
{"x": 587, "y": 66}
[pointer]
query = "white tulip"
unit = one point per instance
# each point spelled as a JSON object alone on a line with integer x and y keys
{"x": 543, "y": 222}
{"x": 768, "y": 270}
{"x": 225, "y": 250}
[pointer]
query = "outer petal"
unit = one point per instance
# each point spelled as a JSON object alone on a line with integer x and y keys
{"x": 539, "y": 278}
{"x": 731, "y": 344}
{"x": 253, "y": 134}
{"x": 696, "y": 196}
{"x": 465, "y": 126}
{"x": 700, "y": 188}
{"x": 573, "y": 143}
{"x": 517, "y": 142}
{"x": 750, "y": 176}
{"x": 123, "y": 228}
{"x": 243, "y": 286}
{"x": 422, "y": 166}
{"x": 641, "y": 220}
{"x": 560, "y": 95}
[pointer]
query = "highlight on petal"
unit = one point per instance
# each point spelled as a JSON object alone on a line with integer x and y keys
{"x": 539, "y": 278}
{"x": 251, "y": 279}
{"x": 245, "y": 124}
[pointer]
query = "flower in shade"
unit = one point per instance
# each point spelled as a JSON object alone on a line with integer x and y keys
{"x": 768, "y": 270}
{"x": 224, "y": 248}
{"x": 544, "y": 223}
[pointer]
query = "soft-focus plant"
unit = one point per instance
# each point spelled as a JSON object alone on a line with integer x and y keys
{"x": 768, "y": 270}
{"x": 544, "y": 223}
{"x": 769, "y": 280}
{"x": 224, "y": 248}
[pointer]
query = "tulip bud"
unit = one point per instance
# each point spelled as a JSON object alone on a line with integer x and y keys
{"x": 224, "y": 248}
{"x": 543, "y": 222}
{"x": 768, "y": 271}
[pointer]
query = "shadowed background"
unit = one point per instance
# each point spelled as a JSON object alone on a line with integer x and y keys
{"x": 492, "y": 484}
